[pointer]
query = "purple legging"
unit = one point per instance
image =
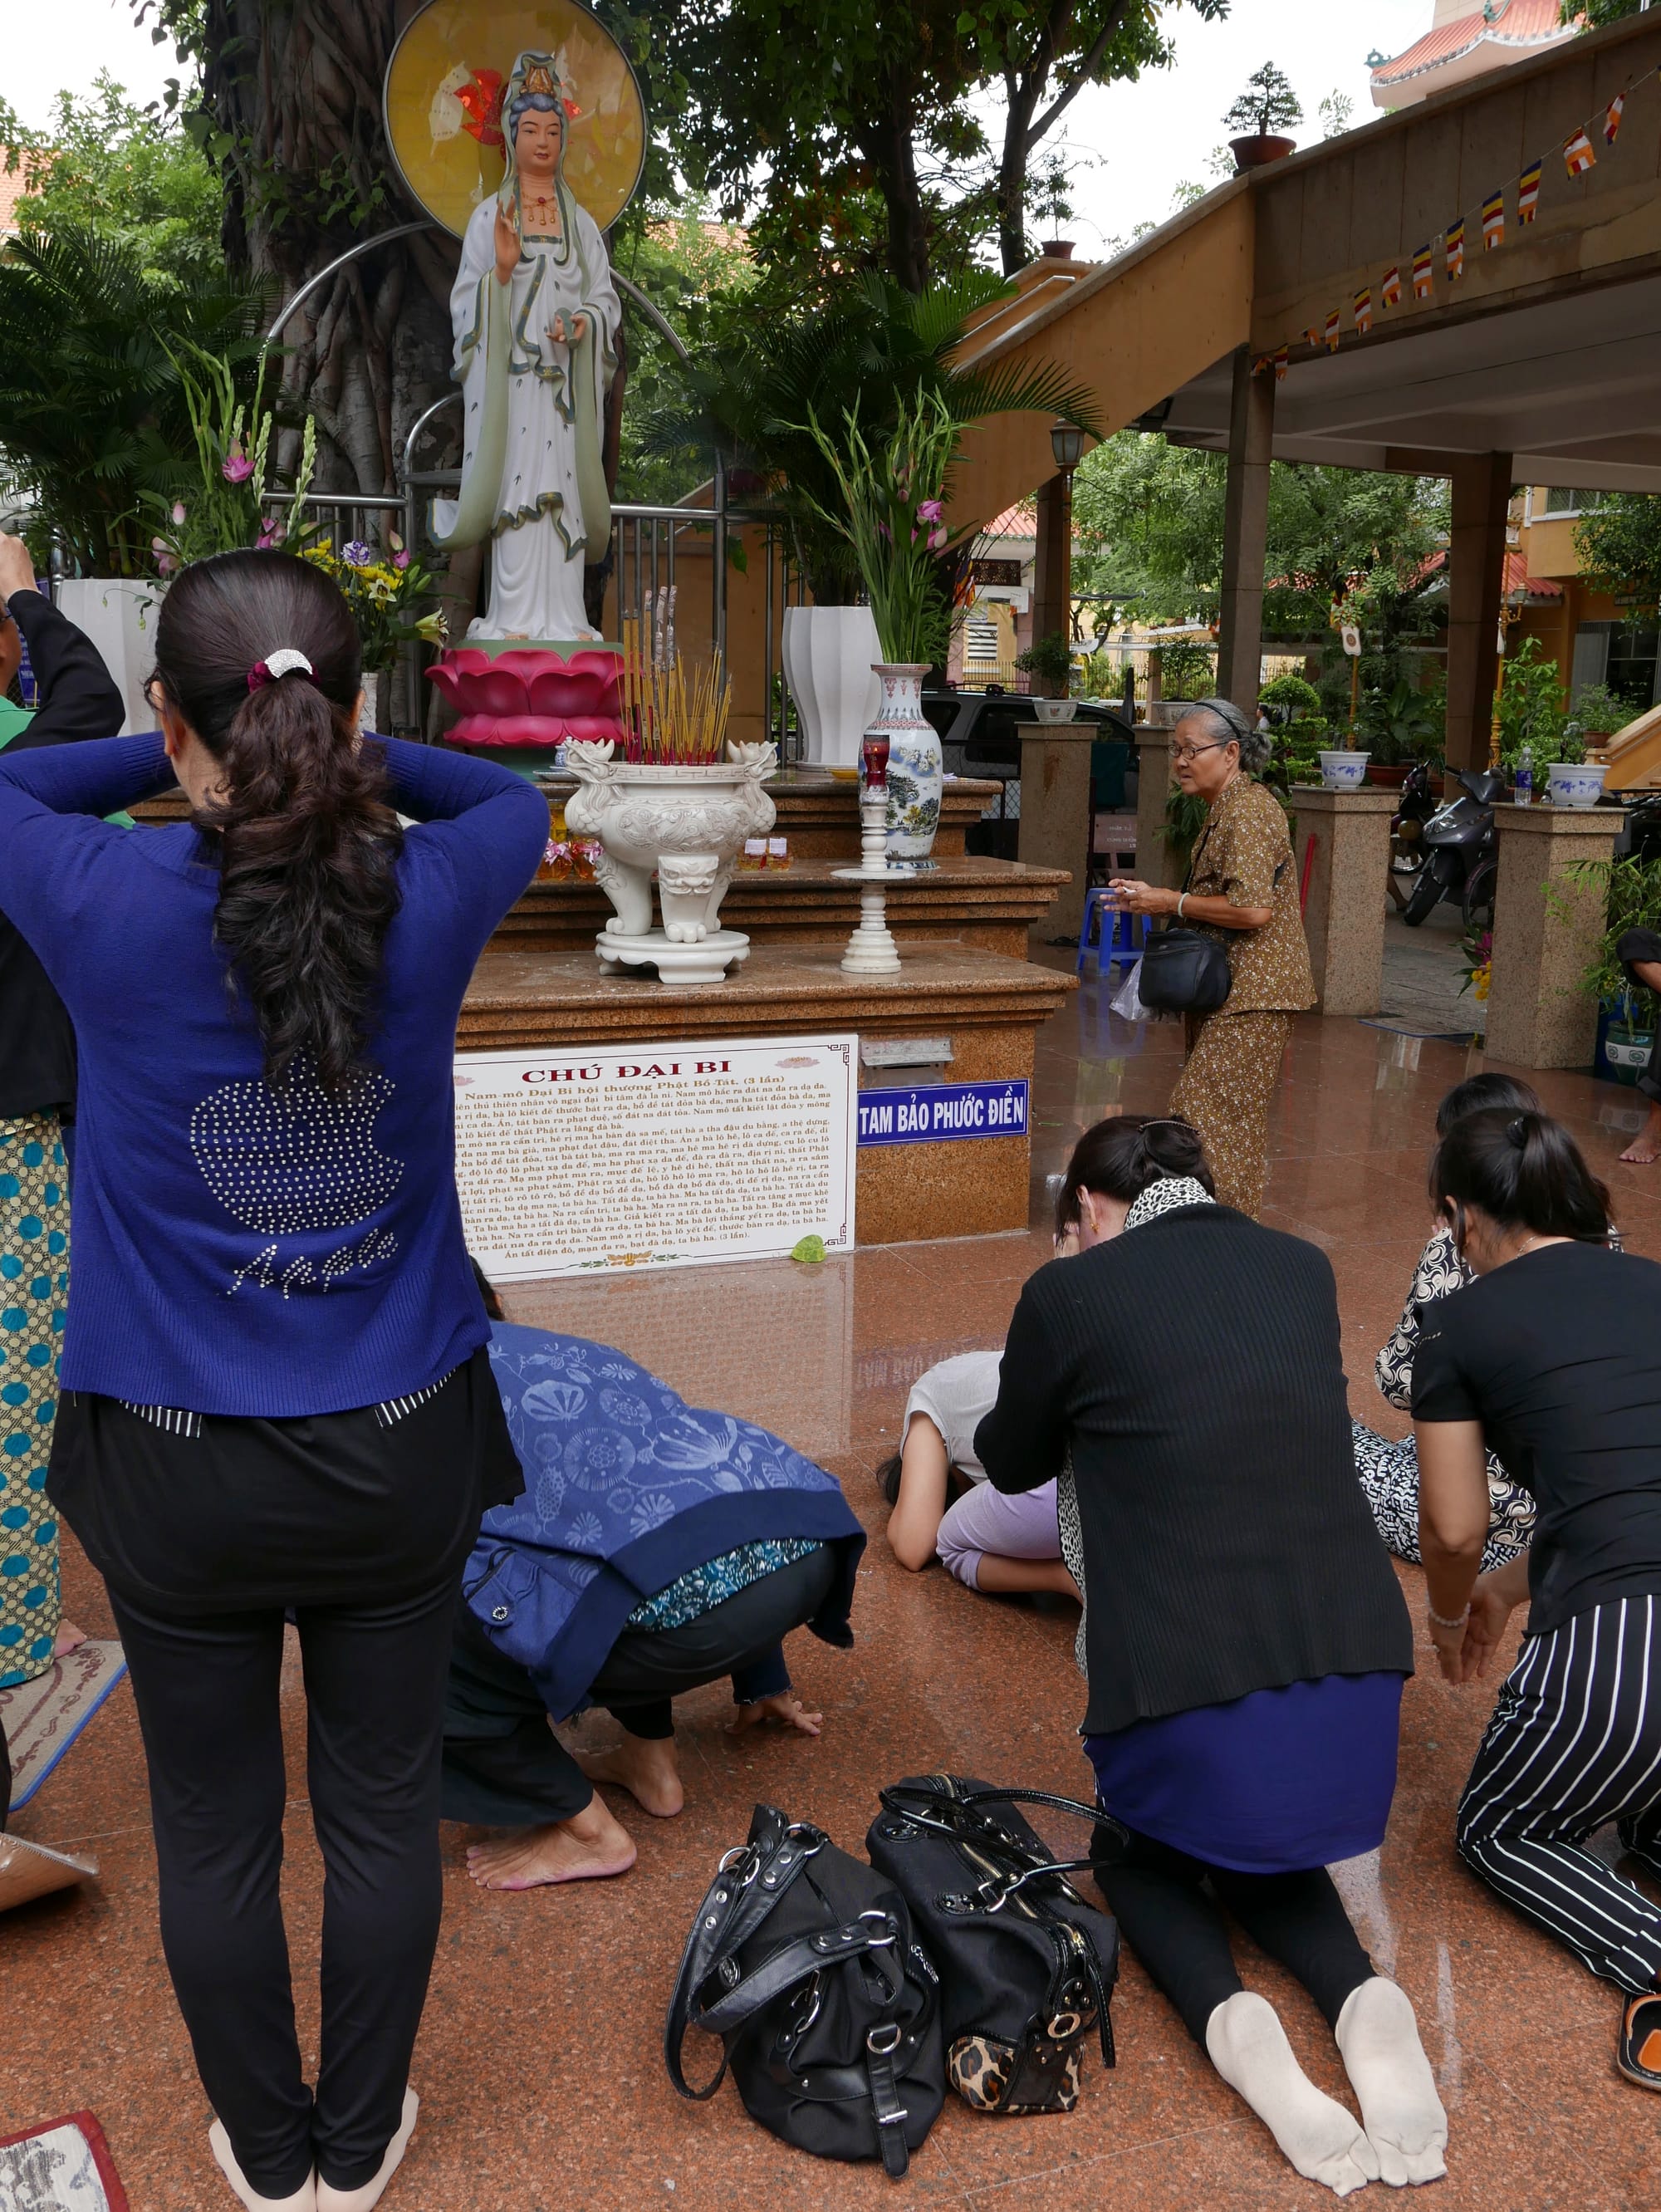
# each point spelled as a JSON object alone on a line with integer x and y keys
{"x": 985, "y": 1520}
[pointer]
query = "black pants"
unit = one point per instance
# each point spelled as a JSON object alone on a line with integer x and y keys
{"x": 206, "y": 1687}
{"x": 1180, "y": 1936}
{"x": 1575, "y": 1741}
{"x": 362, "y": 1528}
{"x": 505, "y": 1767}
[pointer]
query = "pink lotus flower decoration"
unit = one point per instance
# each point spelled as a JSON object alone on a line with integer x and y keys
{"x": 530, "y": 694}
{"x": 236, "y": 468}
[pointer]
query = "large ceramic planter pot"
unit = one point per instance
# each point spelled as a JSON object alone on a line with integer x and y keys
{"x": 118, "y": 613}
{"x": 685, "y": 822}
{"x": 1260, "y": 148}
{"x": 828, "y": 653}
{"x": 1343, "y": 769}
{"x": 1575, "y": 783}
{"x": 917, "y": 765}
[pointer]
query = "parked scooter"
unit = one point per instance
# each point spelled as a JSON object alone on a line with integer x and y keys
{"x": 1406, "y": 853}
{"x": 1461, "y": 853}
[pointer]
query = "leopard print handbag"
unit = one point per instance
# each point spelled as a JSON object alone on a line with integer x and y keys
{"x": 1027, "y": 1968}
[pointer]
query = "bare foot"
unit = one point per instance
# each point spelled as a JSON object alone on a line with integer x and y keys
{"x": 589, "y": 1847}
{"x": 68, "y": 1638}
{"x": 644, "y": 1766}
{"x": 786, "y": 1709}
{"x": 1646, "y": 1148}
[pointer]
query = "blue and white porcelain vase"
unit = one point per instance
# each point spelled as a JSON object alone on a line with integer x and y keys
{"x": 916, "y": 764}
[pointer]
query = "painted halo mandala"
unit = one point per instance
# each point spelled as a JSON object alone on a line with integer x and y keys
{"x": 443, "y": 101}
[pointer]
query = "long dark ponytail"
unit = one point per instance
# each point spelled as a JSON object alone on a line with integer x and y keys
{"x": 306, "y": 838}
{"x": 1524, "y": 1170}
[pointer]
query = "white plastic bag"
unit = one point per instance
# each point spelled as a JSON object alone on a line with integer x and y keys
{"x": 1126, "y": 1001}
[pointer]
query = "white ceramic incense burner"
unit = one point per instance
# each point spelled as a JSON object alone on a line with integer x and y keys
{"x": 687, "y": 822}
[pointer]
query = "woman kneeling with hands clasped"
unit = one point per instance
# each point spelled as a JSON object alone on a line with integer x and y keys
{"x": 1552, "y": 1357}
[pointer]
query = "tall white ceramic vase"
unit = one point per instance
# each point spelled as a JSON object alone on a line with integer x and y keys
{"x": 828, "y": 653}
{"x": 916, "y": 762}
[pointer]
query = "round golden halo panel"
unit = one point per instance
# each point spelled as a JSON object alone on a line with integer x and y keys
{"x": 433, "y": 92}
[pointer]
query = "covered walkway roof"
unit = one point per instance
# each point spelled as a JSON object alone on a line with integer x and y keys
{"x": 1544, "y": 348}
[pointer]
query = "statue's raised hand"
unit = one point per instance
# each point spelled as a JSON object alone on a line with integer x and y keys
{"x": 507, "y": 244}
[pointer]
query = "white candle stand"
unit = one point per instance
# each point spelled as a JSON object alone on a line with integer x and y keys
{"x": 871, "y": 949}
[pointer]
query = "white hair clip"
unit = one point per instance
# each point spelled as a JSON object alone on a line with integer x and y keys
{"x": 282, "y": 662}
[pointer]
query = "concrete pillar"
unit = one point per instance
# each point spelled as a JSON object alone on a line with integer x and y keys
{"x": 1547, "y": 924}
{"x": 1476, "y": 569}
{"x": 1053, "y": 568}
{"x": 1245, "y": 533}
{"x": 1343, "y": 919}
{"x": 1153, "y": 856}
{"x": 1055, "y": 817}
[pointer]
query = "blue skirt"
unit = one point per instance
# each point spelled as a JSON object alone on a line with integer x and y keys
{"x": 1273, "y": 1783}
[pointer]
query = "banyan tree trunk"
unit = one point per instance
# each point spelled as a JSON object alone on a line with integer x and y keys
{"x": 294, "y": 90}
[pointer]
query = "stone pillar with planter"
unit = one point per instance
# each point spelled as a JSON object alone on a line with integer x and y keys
{"x": 1343, "y": 917}
{"x": 1547, "y": 925}
{"x": 1153, "y": 855}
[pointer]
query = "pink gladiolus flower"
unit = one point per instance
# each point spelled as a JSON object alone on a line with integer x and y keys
{"x": 236, "y": 468}
{"x": 929, "y": 510}
{"x": 937, "y": 537}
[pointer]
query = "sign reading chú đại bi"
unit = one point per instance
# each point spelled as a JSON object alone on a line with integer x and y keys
{"x": 938, "y": 1113}
{"x": 654, "y": 1155}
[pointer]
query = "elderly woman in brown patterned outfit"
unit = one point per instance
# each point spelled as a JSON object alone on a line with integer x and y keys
{"x": 1242, "y": 889}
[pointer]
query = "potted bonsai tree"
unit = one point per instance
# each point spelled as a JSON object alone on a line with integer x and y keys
{"x": 1049, "y": 662}
{"x": 1265, "y": 110}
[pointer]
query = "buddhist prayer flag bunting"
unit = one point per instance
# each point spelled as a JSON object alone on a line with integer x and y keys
{"x": 1612, "y": 120}
{"x": 1493, "y": 221}
{"x": 1312, "y": 336}
{"x": 1364, "y": 312}
{"x": 1456, "y": 250}
{"x": 1333, "y": 322}
{"x": 1528, "y": 191}
{"x": 1389, "y": 292}
{"x": 1424, "y": 278}
{"x": 1578, "y": 156}
{"x": 1279, "y": 357}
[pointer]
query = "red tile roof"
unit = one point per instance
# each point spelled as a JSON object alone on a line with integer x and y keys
{"x": 1018, "y": 522}
{"x": 14, "y": 183}
{"x": 1520, "y": 23}
{"x": 1519, "y": 584}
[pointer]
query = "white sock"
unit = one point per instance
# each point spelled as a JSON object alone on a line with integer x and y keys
{"x": 1379, "y": 2039}
{"x": 1249, "y": 2049}
{"x": 363, "y": 2199}
{"x": 303, "y": 2200}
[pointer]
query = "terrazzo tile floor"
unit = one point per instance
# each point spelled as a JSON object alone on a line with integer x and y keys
{"x": 538, "y": 2063}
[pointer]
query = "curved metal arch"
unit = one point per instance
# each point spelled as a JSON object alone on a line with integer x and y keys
{"x": 653, "y": 313}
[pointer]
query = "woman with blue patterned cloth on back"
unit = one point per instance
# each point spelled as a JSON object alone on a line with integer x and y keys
{"x": 657, "y": 1547}
{"x": 37, "y": 1096}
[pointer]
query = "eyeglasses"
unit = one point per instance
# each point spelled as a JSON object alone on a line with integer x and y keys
{"x": 1181, "y": 755}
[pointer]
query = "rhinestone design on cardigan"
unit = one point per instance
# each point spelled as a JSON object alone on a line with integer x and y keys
{"x": 295, "y": 1159}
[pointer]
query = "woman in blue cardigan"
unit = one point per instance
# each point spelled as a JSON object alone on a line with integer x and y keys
{"x": 276, "y": 1393}
{"x": 657, "y": 1547}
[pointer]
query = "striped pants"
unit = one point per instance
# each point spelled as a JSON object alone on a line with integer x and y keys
{"x": 1575, "y": 1742}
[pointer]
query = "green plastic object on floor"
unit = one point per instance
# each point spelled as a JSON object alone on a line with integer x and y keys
{"x": 811, "y": 1251}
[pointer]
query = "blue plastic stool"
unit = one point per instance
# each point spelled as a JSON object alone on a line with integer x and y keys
{"x": 1122, "y": 946}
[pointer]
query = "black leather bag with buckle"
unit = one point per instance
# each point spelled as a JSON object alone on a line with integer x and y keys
{"x": 803, "y": 1961}
{"x": 1183, "y": 973}
{"x": 1026, "y": 1966}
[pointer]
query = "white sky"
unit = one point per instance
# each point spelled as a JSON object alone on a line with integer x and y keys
{"x": 1140, "y": 141}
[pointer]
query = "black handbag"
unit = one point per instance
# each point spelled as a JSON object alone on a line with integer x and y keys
{"x": 1027, "y": 1968}
{"x": 1183, "y": 973}
{"x": 803, "y": 1961}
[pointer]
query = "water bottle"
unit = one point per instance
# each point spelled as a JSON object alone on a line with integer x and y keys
{"x": 1523, "y": 793}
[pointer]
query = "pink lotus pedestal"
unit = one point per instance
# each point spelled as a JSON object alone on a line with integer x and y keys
{"x": 519, "y": 701}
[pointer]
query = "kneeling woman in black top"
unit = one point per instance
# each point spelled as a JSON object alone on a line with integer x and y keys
{"x": 1244, "y": 1635}
{"x": 1552, "y": 1357}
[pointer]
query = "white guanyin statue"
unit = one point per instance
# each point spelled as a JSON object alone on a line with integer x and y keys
{"x": 535, "y": 317}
